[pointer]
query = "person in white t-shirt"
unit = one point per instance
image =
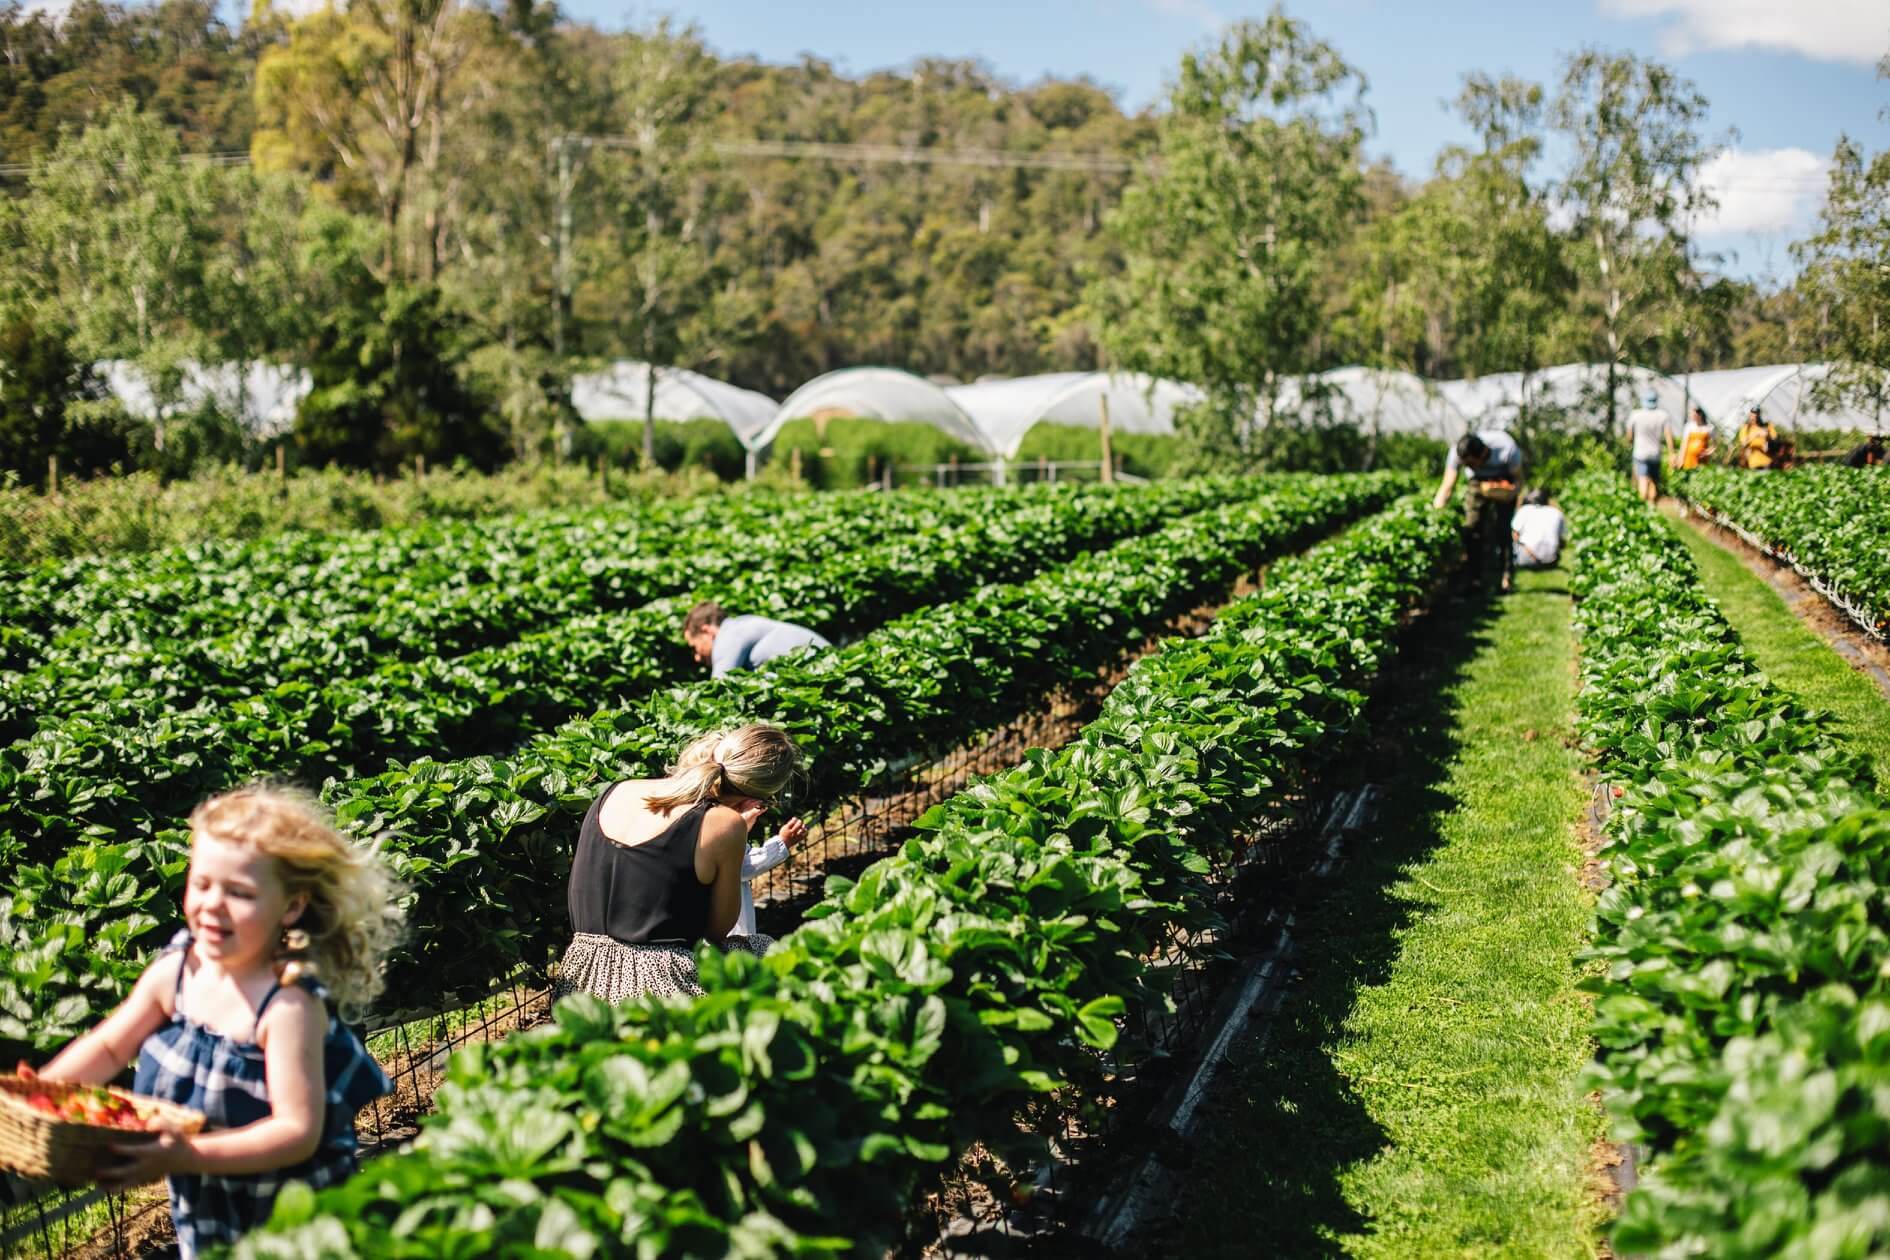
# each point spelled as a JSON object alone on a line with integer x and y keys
{"x": 1648, "y": 428}
{"x": 1537, "y": 531}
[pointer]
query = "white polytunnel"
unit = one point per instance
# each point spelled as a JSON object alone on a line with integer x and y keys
{"x": 874, "y": 393}
{"x": 1493, "y": 401}
{"x": 262, "y": 397}
{"x": 1005, "y": 410}
{"x": 1379, "y": 400}
{"x": 1784, "y": 393}
{"x": 619, "y": 393}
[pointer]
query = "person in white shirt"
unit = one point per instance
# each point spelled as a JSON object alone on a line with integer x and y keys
{"x": 1648, "y": 427}
{"x": 757, "y": 861}
{"x": 1537, "y": 531}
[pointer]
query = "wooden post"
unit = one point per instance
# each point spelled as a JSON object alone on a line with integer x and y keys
{"x": 52, "y": 475}
{"x": 794, "y": 463}
{"x": 1043, "y": 468}
{"x": 419, "y": 465}
{"x": 1108, "y": 467}
{"x": 872, "y": 470}
{"x": 282, "y": 463}
{"x": 954, "y": 468}
{"x": 886, "y": 475}
{"x": 603, "y": 473}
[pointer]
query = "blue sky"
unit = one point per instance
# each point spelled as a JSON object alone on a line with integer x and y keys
{"x": 1789, "y": 75}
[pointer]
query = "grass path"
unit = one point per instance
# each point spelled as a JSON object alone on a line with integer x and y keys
{"x": 1791, "y": 653}
{"x": 1418, "y": 1093}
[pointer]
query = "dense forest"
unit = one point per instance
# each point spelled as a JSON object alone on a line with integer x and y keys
{"x": 442, "y": 209}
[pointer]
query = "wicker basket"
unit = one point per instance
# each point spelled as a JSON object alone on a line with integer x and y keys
{"x": 34, "y": 1144}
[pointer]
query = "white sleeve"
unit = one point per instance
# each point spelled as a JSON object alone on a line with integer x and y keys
{"x": 763, "y": 858}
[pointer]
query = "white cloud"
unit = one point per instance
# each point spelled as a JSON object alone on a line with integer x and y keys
{"x": 1764, "y": 190}
{"x": 1829, "y": 30}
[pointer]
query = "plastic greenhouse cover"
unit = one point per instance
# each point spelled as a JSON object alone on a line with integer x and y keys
{"x": 1783, "y": 392}
{"x": 1379, "y": 400}
{"x": 875, "y": 393}
{"x": 262, "y": 397}
{"x": 1005, "y": 410}
{"x": 618, "y": 393}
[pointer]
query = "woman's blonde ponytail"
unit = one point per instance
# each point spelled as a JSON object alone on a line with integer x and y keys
{"x": 757, "y": 760}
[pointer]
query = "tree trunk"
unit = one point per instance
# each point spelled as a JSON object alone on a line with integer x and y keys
{"x": 649, "y": 413}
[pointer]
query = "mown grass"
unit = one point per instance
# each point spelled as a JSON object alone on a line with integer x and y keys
{"x": 1791, "y": 653}
{"x": 1418, "y": 1094}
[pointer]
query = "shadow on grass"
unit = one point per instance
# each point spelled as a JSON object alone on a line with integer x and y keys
{"x": 1264, "y": 1174}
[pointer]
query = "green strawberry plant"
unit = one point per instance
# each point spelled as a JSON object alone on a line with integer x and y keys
{"x": 799, "y": 1106}
{"x": 484, "y": 843}
{"x": 1832, "y": 522}
{"x": 1745, "y": 937}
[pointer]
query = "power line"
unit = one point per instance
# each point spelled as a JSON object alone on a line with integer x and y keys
{"x": 224, "y": 157}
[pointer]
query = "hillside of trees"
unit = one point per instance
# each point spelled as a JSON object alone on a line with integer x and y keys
{"x": 442, "y": 209}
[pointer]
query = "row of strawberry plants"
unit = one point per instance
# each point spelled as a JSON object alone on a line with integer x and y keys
{"x": 484, "y": 843}
{"x": 377, "y": 600}
{"x": 211, "y": 589}
{"x": 113, "y": 772}
{"x": 798, "y": 1107}
{"x": 1832, "y": 523}
{"x": 1742, "y": 1014}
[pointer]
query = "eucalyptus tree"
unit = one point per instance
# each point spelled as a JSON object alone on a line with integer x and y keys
{"x": 1227, "y": 246}
{"x": 663, "y": 290}
{"x": 1632, "y": 190}
{"x": 1847, "y": 275}
{"x": 114, "y": 243}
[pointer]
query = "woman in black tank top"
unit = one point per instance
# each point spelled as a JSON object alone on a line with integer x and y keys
{"x": 658, "y": 866}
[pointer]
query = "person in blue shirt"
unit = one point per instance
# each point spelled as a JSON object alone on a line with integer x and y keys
{"x": 1493, "y": 462}
{"x": 726, "y": 643}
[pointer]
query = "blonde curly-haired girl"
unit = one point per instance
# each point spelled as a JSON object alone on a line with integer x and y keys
{"x": 286, "y": 922}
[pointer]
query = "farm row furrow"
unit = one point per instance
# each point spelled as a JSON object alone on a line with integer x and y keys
{"x": 143, "y": 650}
{"x": 798, "y": 1106}
{"x": 1746, "y": 934}
{"x": 1829, "y": 523}
{"x": 118, "y": 770}
{"x": 484, "y": 843}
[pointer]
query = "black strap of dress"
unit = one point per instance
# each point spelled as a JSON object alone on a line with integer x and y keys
{"x": 641, "y": 894}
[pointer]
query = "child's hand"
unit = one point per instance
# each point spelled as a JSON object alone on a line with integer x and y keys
{"x": 141, "y": 1163}
{"x": 792, "y": 832}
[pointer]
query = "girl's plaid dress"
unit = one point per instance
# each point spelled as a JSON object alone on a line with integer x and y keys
{"x": 186, "y": 1063}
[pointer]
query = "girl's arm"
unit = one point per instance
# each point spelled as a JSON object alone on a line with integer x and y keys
{"x": 95, "y": 1057}
{"x": 764, "y": 857}
{"x": 291, "y": 1037}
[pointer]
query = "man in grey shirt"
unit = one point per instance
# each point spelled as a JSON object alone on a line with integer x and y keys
{"x": 1648, "y": 428}
{"x": 726, "y": 643}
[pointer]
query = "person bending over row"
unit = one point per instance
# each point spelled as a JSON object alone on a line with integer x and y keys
{"x": 1494, "y": 464}
{"x": 726, "y": 643}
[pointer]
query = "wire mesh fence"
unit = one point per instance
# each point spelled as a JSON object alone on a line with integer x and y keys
{"x": 1086, "y": 1131}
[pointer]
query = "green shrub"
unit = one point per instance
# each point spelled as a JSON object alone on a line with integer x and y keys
{"x": 704, "y": 443}
{"x": 838, "y": 453}
{"x": 1142, "y": 454}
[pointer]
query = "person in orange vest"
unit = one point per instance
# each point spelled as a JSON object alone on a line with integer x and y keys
{"x": 1696, "y": 440}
